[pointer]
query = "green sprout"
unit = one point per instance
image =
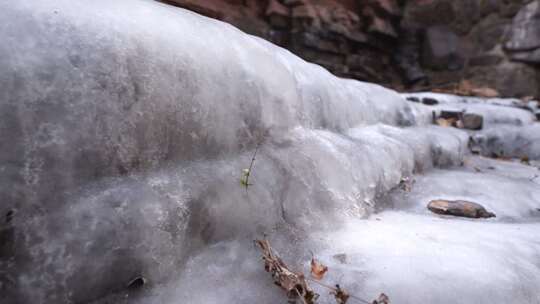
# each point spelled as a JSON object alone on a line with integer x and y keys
{"x": 244, "y": 180}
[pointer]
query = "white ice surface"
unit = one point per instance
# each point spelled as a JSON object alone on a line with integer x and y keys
{"x": 205, "y": 93}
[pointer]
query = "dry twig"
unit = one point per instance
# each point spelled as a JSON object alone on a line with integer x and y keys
{"x": 293, "y": 283}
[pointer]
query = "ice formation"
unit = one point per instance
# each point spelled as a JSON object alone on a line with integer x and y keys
{"x": 126, "y": 125}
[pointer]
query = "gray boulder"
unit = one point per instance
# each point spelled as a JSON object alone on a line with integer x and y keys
{"x": 525, "y": 31}
{"x": 527, "y": 57}
{"x": 440, "y": 49}
{"x": 472, "y": 121}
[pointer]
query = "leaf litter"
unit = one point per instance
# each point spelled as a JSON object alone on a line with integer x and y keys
{"x": 295, "y": 284}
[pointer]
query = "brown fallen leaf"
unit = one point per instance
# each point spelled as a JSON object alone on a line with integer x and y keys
{"x": 464, "y": 88}
{"x": 485, "y": 92}
{"x": 340, "y": 295}
{"x": 406, "y": 183}
{"x": 293, "y": 283}
{"x": 341, "y": 257}
{"x": 527, "y": 98}
{"x": 467, "y": 88}
{"x": 318, "y": 270}
{"x": 383, "y": 299}
{"x": 445, "y": 122}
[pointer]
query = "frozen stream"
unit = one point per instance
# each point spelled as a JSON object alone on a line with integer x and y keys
{"x": 126, "y": 125}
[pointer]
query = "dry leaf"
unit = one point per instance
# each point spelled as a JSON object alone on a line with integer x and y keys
{"x": 340, "y": 295}
{"x": 406, "y": 184}
{"x": 467, "y": 88}
{"x": 445, "y": 122}
{"x": 485, "y": 92}
{"x": 317, "y": 269}
{"x": 383, "y": 299}
{"x": 293, "y": 283}
{"x": 341, "y": 257}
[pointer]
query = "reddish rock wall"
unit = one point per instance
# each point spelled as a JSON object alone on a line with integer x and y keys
{"x": 410, "y": 44}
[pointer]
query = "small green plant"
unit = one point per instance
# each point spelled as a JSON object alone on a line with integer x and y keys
{"x": 244, "y": 180}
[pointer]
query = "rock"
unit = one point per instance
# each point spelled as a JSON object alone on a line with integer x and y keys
{"x": 459, "y": 208}
{"x": 211, "y": 11}
{"x": 278, "y": 14}
{"x": 467, "y": 14}
{"x": 516, "y": 79}
{"x": 315, "y": 42}
{"x": 527, "y": 57}
{"x": 414, "y": 75}
{"x": 488, "y": 33}
{"x": 537, "y": 114}
{"x": 387, "y": 7}
{"x": 294, "y": 2}
{"x": 137, "y": 282}
{"x": 429, "y": 101}
{"x": 341, "y": 257}
{"x": 379, "y": 25}
{"x": 472, "y": 121}
{"x": 486, "y": 92}
{"x": 407, "y": 55}
{"x": 304, "y": 12}
{"x": 489, "y": 6}
{"x": 446, "y": 114}
{"x": 508, "y": 9}
{"x": 430, "y": 12}
{"x": 461, "y": 120}
{"x": 357, "y": 37}
{"x": 440, "y": 50}
{"x": 424, "y": 41}
{"x": 413, "y": 99}
{"x": 525, "y": 31}
{"x": 524, "y": 41}
{"x": 485, "y": 60}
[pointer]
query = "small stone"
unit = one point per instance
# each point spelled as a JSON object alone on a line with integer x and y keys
{"x": 459, "y": 208}
{"x": 429, "y": 101}
{"x": 472, "y": 121}
{"x": 451, "y": 114}
{"x": 9, "y": 215}
{"x": 341, "y": 257}
{"x": 413, "y": 99}
{"x": 137, "y": 282}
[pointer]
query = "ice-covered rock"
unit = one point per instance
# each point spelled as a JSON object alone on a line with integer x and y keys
{"x": 127, "y": 125}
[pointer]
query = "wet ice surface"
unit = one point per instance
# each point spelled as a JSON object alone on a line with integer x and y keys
{"x": 449, "y": 99}
{"x": 511, "y": 195}
{"x": 129, "y": 128}
{"x": 427, "y": 259}
{"x": 406, "y": 251}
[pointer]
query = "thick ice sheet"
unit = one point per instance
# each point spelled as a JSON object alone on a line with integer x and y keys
{"x": 129, "y": 123}
{"x": 411, "y": 254}
{"x": 510, "y": 141}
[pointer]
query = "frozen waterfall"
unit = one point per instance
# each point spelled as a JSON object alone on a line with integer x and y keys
{"x": 125, "y": 126}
